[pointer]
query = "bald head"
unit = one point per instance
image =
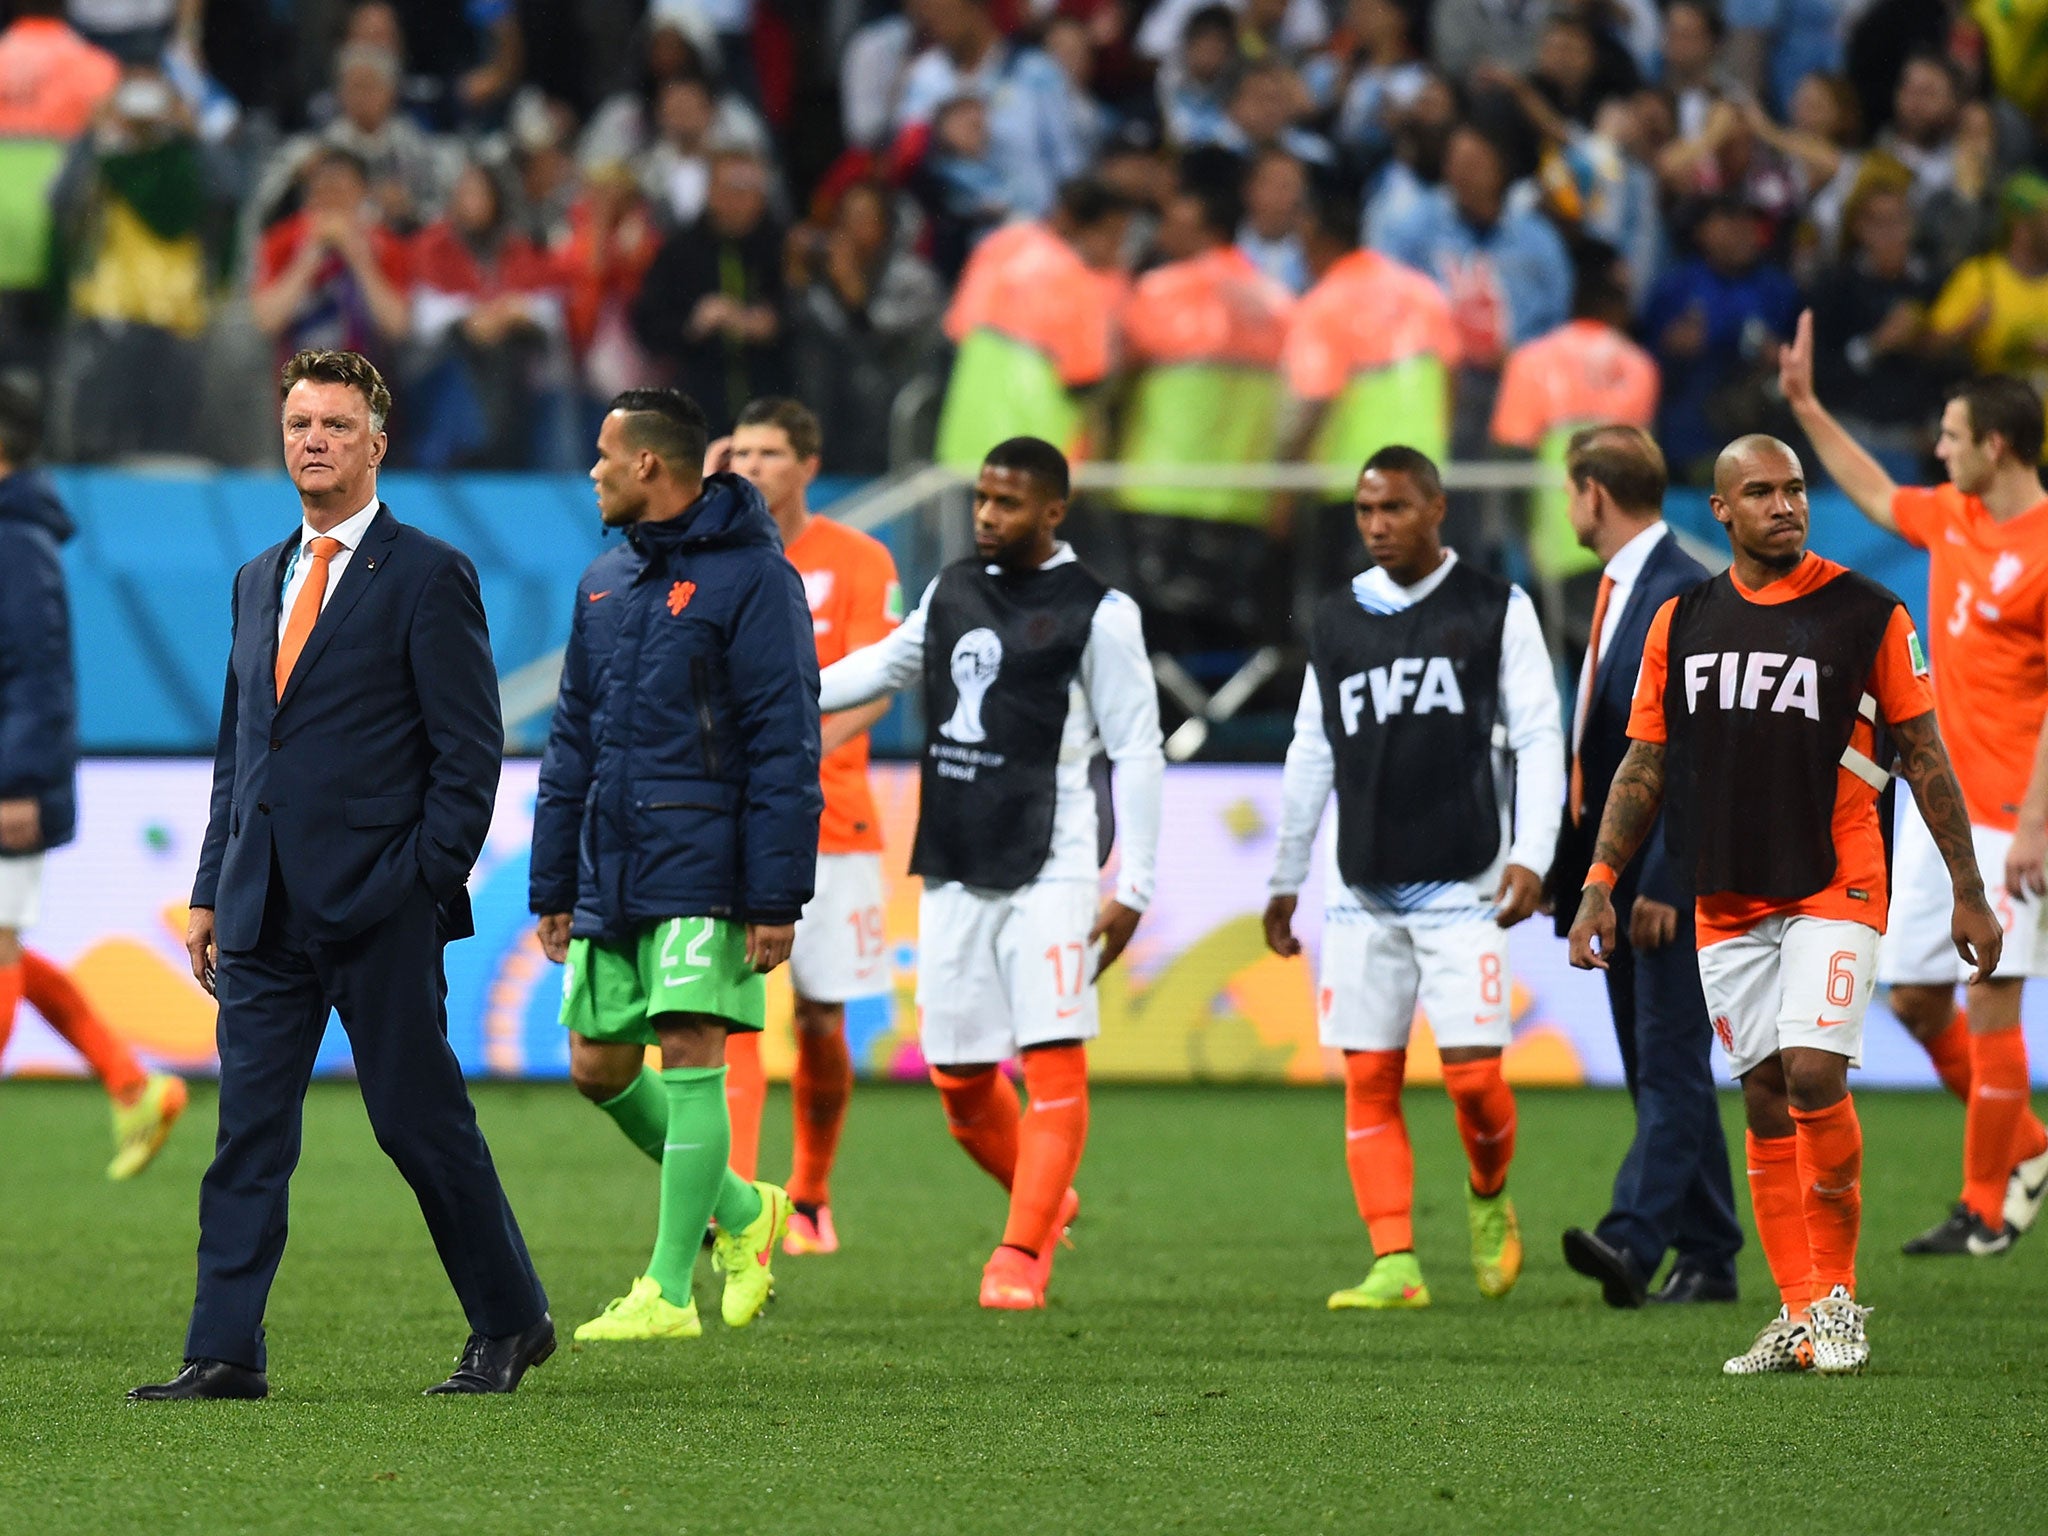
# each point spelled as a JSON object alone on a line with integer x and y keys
{"x": 1740, "y": 457}
{"x": 1760, "y": 498}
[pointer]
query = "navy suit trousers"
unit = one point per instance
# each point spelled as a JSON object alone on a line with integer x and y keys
{"x": 1674, "y": 1190}
{"x": 390, "y": 990}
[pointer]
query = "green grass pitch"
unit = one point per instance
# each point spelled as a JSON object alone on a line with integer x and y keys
{"x": 1185, "y": 1377}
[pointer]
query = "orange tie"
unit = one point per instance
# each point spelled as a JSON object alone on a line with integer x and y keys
{"x": 305, "y": 610}
{"x": 1578, "y": 789}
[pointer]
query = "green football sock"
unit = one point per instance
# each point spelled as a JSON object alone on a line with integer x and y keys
{"x": 739, "y": 1204}
{"x": 696, "y": 1144}
{"x": 642, "y": 1112}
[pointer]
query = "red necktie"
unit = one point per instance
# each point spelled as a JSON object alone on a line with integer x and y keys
{"x": 305, "y": 609}
{"x": 1578, "y": 789}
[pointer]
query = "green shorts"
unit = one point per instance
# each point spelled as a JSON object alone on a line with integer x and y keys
{"x": 685, "y": 965}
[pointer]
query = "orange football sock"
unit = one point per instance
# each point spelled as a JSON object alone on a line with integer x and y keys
{"x": 1950, "y": 1053}
{"x": 1049, "y": 1142}
{"x": 54, "y": 995}
{"x": 746, "y": 1092}
{"x": 2000, "y": 1129}
{"x": 1781, "y": 1215}
{"x": 818, "y": 1092}
{"x": 10, "y": 998}
{"x": 1376, "y": 1148}
{"x": 1830, "y": 1160}
{"x": 982, "y": 1113}
{"x": 1486, "y": 1119}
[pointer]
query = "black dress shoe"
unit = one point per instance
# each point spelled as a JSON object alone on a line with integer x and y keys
{"x": 1621, "y": 1278}
{"x": 206, "y": 1379}
{"x": 1686, "y": 1283}
{"x": 495, "y": 1365}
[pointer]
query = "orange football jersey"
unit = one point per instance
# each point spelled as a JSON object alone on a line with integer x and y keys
{"x": 850, "y": 583}
{"x": 1987, "y": 637}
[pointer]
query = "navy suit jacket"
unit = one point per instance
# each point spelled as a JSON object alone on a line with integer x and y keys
{"x": 1604, "y": 743}
{"x": 378, "y": 767}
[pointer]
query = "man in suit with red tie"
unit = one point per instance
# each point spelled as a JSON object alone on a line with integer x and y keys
{"x": 352, "y": 789}
{"x": 1674, "y": 1191}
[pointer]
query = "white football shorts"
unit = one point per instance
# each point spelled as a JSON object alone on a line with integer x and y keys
{"x": 1790, "y": 981}
{"x": 21, "y": 890}
{"x": 1917, "y": 949}
{"x": 1000, "y": 971}
{"x": 842, "y": 941}
{"x": 1375, "y": 970}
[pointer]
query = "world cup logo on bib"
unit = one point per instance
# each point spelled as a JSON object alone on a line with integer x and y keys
{"x": 977, "y": 658}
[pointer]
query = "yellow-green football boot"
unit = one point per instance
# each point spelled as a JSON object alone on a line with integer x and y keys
{"x": 745, "y": 1257}
{"x": 1393, "y": 1284}
{"x": 642, "y": 1313}
{"x": 142, "y": 1128}
{"x": 1496, "y": 1242}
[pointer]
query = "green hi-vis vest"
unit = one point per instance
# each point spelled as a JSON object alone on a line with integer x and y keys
{"x": 1002, "y": 388}
{"x": 1554, "y": 550}
{"x": 1201, "y": 413}
{"x": 28, "y": 168}
{"x": 1406, "y": 402}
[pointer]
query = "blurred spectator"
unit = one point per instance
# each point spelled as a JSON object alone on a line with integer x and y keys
{"x": 1194, "y": 82}
{"x": 1370, "y": 352}
{"x": 1265, "y": 104}
{"x": 1384, "y": 76}
{"x": 871, "y": 75}
{"x": 1715, "y": 322}
{"x": 628, "y": 124}
{"x": 1202, "y": 336}
{"x": 1996, "y": 305}
{"x": 1420, "y": 130}
{"x": 487, "y": 321}
{"x": 1598, "y": 185}
{"x": 1572, "y": 74}
{"x": 675, "y": 169}
{"x": 1872, "y": 354}
{"x": 332, "y": 275}
{"x": 1729, "y": 161}
{"x": 1275, "y": 204}
{"x": 1032, "y": 326}
{"x": 613, "y": 240}
{"x": 1693, "y": 70}
{"x": 960, "y": 185}
{"x": 144, "y": 215}
{"x": 1031, "y": 134}
{"x": 1501, "y": 264}
{"x": 710, "y": 308}
{"x": 1926, "y": 109}
{"x": 865, "y": 321}
{"x": 1585, "y": 373}
{"x": 1774, "y": 44}
{"x": 542, "y": 134}
{"x": 1066, "y": 40}
{"x": 1303, "y": 25}
{"x": 409, "y": 169}
{"x": 51, "y": 79}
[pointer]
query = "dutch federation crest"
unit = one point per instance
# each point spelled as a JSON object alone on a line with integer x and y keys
{"x": 977, "y": 658}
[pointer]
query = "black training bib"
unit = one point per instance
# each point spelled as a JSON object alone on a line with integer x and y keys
{"x": 1000, "y": 653}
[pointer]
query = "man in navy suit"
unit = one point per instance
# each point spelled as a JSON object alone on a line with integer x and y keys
{"x": 352, "y": 788}
{"x": 1674, "y": 1190}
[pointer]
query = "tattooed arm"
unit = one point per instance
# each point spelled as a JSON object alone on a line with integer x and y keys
{"x": 1632, "y": 804}
{"x": 1924, "y": 762}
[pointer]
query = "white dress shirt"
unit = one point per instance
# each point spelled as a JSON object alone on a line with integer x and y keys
{"x": 1112, "y": 707}
{"x": 349, "y": 534}
{"x": 1624, "y": 570}
{"x": 1528, "y": 765}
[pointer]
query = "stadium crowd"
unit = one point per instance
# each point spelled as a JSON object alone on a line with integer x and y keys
{"x": 522, "y": 208}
